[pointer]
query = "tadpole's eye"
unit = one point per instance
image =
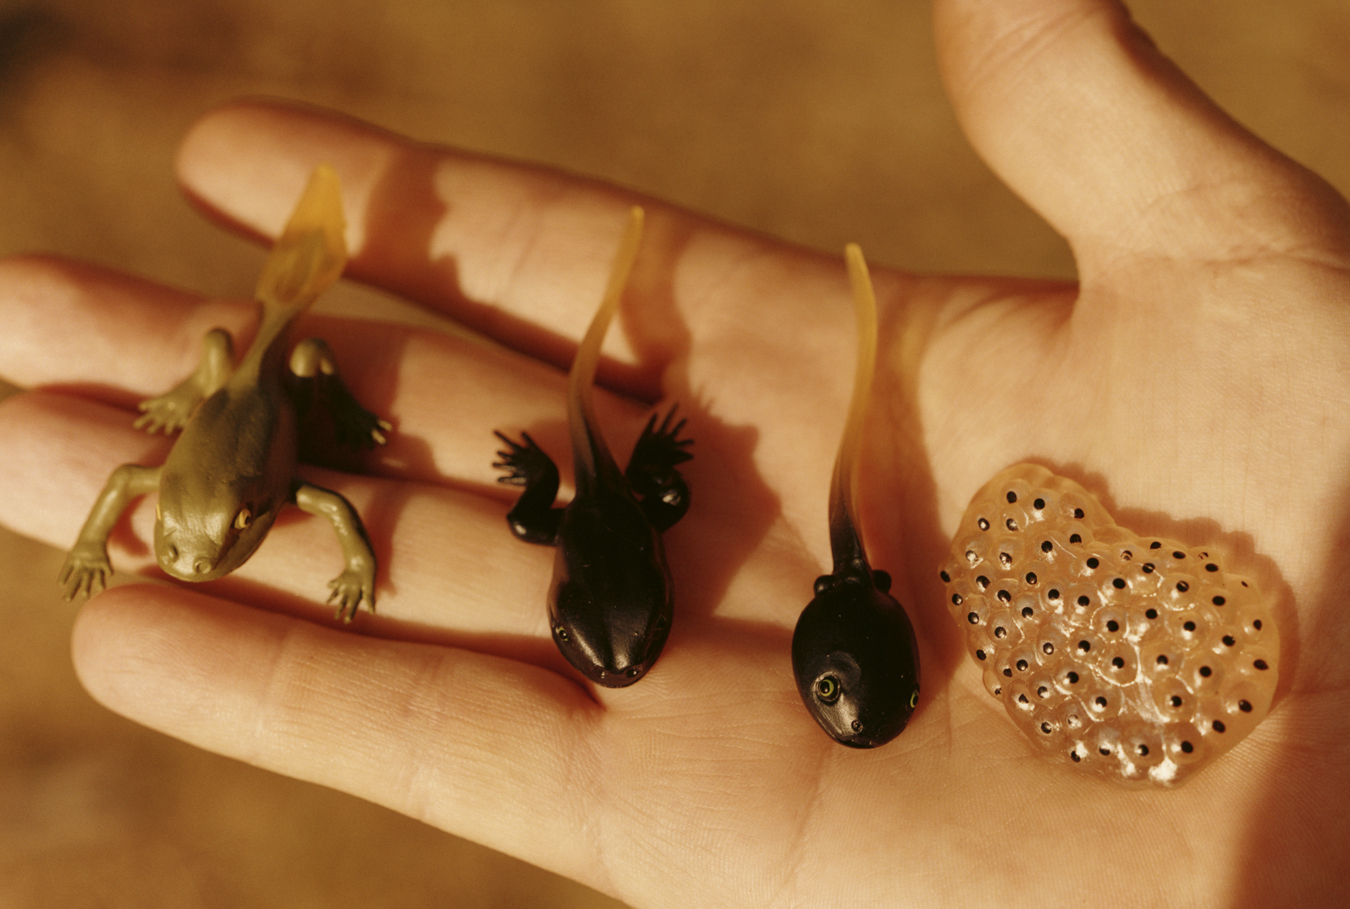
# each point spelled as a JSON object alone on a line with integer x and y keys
{"x": 914, "y": 699}
{"x": 243, "y": 518}
{"x": 827, "y": 689}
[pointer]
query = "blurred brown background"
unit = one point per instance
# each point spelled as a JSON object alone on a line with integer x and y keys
{"x": 820, "y": 123}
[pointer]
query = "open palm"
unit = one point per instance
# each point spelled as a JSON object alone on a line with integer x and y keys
{"x": 1198, "y": 379}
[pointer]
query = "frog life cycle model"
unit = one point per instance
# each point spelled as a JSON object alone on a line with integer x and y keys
{"x": 233, "y": 466}
{"x": 1136, "y": 659}
{"x": 854, "y": 654}
{"x": 609, "y": 603}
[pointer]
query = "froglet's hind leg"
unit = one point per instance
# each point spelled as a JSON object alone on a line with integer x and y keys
{"x": 533, "y": 518}
{"x": 651, "y": 472}
{"x": 357, "y": 581}
{"x": 171, "y": 410}
{"x": 312, "y": 362}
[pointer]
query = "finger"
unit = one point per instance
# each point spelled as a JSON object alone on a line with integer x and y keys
{"x": 441, "y": 735}
{"x": 120, "y": 340}
{"x": 1076, "y": 109}
{"x": 519, "y": 253}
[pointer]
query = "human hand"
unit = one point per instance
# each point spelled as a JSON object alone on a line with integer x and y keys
{"x": 1197, "y": 377}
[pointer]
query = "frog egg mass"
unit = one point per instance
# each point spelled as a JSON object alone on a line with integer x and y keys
{"x": 1133, "y": 658}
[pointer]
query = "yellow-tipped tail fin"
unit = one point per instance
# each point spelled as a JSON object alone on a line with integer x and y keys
{"x": 311, "y": 252}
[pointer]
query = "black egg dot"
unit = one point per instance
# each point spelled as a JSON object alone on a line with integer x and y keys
{"x": 1219, "y": 726}
{"x": 983, "y": 582}
{"x": 1142, "y": 749}
{"x": 1076, "y": 538}
{"x": 1048, "y": 648}
{"x": 1126, "y": 555}
{"x": 1112, "y": 626}
{"x": 1151, "y": 613}
{"x": 1155, "y": 545}
{"x": 1022, "y": 699}
{"x": 1261, "y": 665}
{"x": 1245, "y": 706}
{"x": 1010, "y": 524}
{"x": 1046, "y": 728}
{"x": 973, "y": 618}
{"x": 1085, "y": 646}
{"x": 1042, "y": 691}
{"x": 1054, "y": 593}
{"x": 1183, "y": 586}
{"x": 1084, "y": 600}
{"x": 1046, "y": 546}
{"x": 1211, "y": 567}
{"x": 1118, "y": 583}
{"x": 983, "y": 524}
{"x": 1021, "y": 665}
{"x": 1257, "y": 624}
{"x": 1148, "y": 568}
{"x": 1039, "y": 504}
{"x": 946, "y": 578}
{"x": 1027, "y": 612}
{"x": 1099, "y": 701}
{"x": 1012, "y": 496}
{"x": 1073, "y": 756}
{"x": 1118, "y": 662}
{"x": 1004, "y": 559}
{"x": 1007, "y": 673}
{"x": 1218, "y": 601}
{"x": 1072, "y": 678}
{"x": 1206, "y": 672}
{"x": 979, "y": 655}
{"x": 1229, "y": 640}
{"x": 1178, "y": 555}
{"x": 1078, "y": 513}
{"x": 1162, "y": 659}
{"x": 1189, "y": 626}
{"x": 998, "y": 691}
{"x": 1187, "y": 747}
{"x": 1093, "y": 562}
{"x": 1031, "y": 577}
{"x": 1005, "y": 596}
{"x": 956, "y": 599}
{"x": 1000, "y": 632}
{"x": 1175, "y": 700}
{"x": 1106, "y": 752}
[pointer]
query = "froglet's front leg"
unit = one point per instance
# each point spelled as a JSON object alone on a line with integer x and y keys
{"x": 170, "y": 411}
{"x": 86, "y": 569}
{"x": 357, "y": 580}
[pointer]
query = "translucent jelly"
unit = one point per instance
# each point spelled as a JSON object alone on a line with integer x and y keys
{"x": 1133, "y": 658}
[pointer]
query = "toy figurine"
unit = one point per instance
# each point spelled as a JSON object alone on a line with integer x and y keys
{"x": 233, "y": 466}
{"x": 610, "y": 603}
{"x": 854, "y": 654}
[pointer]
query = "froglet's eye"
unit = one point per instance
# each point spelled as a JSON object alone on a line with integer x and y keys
{"x": 827, "y": 689}
{"x": 243, "y": 518}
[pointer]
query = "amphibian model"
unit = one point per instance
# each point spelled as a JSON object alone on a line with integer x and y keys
{"x": 609, "y": 603}
{"x": 854, "y": 654}
{"x": 1135, "y": 659}
{"x": 233, "y": 466}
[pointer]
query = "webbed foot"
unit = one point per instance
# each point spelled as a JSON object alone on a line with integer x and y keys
{"x": 532, "y": 519}
{"x": 170, "y": 411}
{"x": 85, "y": 571}
{"x": 651, "y": 472}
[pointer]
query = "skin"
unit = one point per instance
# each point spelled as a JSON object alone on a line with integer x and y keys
{"x": 854, "y": 654}
{"x": 610, "y": 603}
{"x": 233, "y": 466}
{"x": 1197, "y": 377}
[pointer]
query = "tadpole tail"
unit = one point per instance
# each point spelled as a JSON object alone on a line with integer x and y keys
{"x": 846, "y": 545}
{"x": 589, "y": 450}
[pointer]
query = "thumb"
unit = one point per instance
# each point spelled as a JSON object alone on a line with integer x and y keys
{"x": 1070, "y": 102}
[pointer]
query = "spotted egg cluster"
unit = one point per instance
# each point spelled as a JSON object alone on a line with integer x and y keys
{"x": 1133, "y": 658}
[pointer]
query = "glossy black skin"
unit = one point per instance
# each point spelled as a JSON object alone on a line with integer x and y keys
{"x": 610, "y": 603}
{"x": 855, "y": 657}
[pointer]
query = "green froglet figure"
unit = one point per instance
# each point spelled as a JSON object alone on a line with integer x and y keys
{"x": 234, "y": 465}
